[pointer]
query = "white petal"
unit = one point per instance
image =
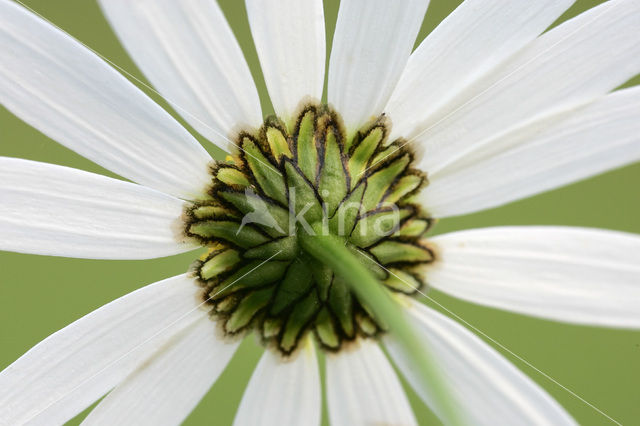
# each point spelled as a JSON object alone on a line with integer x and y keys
{"x": 72, "y": 368}
{"x": 60, "y": 211}
{"x": 465, "y": 46}
{"x": 64, "y": 90}
{"x": 578, "y": 275}
{"x": 547, "y": 153}
{"x": 290, "y": 38}
{"x": 371, "y": 46}
{"x": 363, "y": 389}
{"x": 167, "y": 387}
{"x": 188, "y": 52}
{"x": 283, "y": 392}
{"x": 485, "y": 387}
{"x": 569, "y": 66}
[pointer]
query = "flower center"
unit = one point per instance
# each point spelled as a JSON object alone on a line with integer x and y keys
{"x": 310, "y": 179}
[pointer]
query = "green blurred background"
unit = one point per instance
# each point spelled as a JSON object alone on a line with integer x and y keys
{"x": 39, "y": 294}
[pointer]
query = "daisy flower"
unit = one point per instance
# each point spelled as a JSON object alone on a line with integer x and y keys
{"x": 316, "y": 225}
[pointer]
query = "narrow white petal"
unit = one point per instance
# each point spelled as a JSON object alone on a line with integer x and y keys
{"x": 67, "y": 92}
{"x": 290, "y": 38}
{"x": 363, "y": 389}
{"x": 583, "y": 276}
{"x": 72, "y": 368}
{"x": 167, "y": 387}
{"x": 544, "y": 154}
{"x": 283, "y": 392}
{"x": 188, "y": 52}
{"x": 565, "y": 68}
{"x": 60, "y": 211}
{"x": 486, "y": 388}
{"x": 471, "y": 42}
{"x": 371, "y": 46}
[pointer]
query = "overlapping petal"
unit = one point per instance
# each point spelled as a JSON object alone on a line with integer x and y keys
{"x": 486, "y": 388}
{"x": 547, "y": 153}
{"x": 66, "y": 91}
{"x": 166, "y": 387}
{"x": 72, "y": 368}
{"x": 189, "y": 53}
{"x": 565, "y": 69}
{"x": 471, "y": 42}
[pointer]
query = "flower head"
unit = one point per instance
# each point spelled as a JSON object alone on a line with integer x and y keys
{"x": 322, "y": 211}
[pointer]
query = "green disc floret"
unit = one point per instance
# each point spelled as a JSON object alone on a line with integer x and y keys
{"x": 258, "y": 276}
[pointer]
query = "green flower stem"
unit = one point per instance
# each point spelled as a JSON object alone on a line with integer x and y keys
{"x": 331, "y": 250}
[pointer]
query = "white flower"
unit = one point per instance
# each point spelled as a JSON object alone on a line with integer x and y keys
{"x": 498, "y": 111}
